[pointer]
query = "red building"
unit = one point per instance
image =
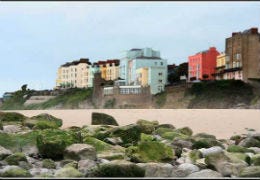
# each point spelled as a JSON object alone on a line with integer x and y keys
{"x": 202, "y": 65}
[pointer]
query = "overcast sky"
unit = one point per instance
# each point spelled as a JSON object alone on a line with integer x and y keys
{"x": 37, "y": 37}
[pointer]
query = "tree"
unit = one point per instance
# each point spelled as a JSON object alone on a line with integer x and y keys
{"x": 24, "y": 88}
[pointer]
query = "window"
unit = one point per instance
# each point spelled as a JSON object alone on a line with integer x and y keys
{"x": 162, "y": 63}
{"x": 160, "y": 73}
{"x": 160, "y": 81}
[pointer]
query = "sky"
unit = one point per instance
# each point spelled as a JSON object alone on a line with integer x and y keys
{"x": 37, "y": 37}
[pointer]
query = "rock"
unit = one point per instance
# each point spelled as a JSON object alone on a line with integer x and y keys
{"x": 147, "y": 127}
{"x": 48, "y": 163}
{"x": 114, "y": 140}
{"x": 48, "y": 118}
{"x": 64, "y": 162}
{"x": 206, "y": 143}
{"x": 11, "y": 117}
{"x": 209, "y": 151}
{"x": 255, "y": 149}
{"x": 182, "y": 143}
{"x": 80, "y": 151}
{"x": 52, "y": 142}
{"x": 239, "y": 149}
{"x": 111, "y": 155}
{"x": 97, "y": 144}
{"x": 204, "y": 135}
{"x": 130, "y": 134}
{"x": 147, "y": 137}
{"x": 256, "y": 160}
{"x": 168, "y": 126}
{"x": 69, "y": 171}
{"x": 173, "y": 135}
{"x": 185, "y": 130}
{"x": 102, "y": 118}
{"x": 12, "y": 128}
{"x": 250, "y": 142}
{"x": 84, "y": 166}
{"x": 251, "y": 171}
{"x": 156, "y": 169}
{"x": 188, "y": 168}
{"x": 24, "y": 165}
{"x": 201, "y": 163}
{"x": 31, "y": 151}
{"x": 205, "y": 173}
{"x": 73, "y": 164}
{"x": 161, "y": 130}
{"x": 117, "y": 169}
{"x": 41, "y": 172}
{"x": 239, "y": 158}
{"x": 4, "y": 152}
{"x": 15, "y": 171}
{"x": 194, "y": 155}
{"x": 14, "y": 159}
{"x": 150, "y": 151}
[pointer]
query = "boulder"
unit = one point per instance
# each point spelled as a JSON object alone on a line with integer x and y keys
{"x": 4, "y": 152}
{"x": 42, "y": 172}
{"x": 67, "y": 172}
{"x": 169, "y": 126}
{"x": 194, "y": 155}
{"x": 250, "y": 142}
{"x": 52, "y": 142}
{"x": 31, "y": 151}
{"x": 25, "y": 165}
{"x": 205, "y": 173}
{"x": 15, "y": 171}
{"x": 239, "y": 158}
{"x": 188, "y": 168}
{"x": 204, "y": 135}
{"x": 80, "y": 151}
{"x": 130, "y": 134}
{"x": 251, "y": 171}
{"x": 11, "y": 118}
{"x": 14, "y": 159}
{"x": 206, "y": 143}
{"x": 173, "y": 135}
{"x": 84, "y": 166}
{"x": 117, "y": 169}
{"x": 256, "y": 150}
{"x": 102, "y": 119}
{"x": 64, "y": 162}
{"x": 150, "y": 151}
{"x": 147, "y": 127}
{"x": 201, "y": 163}
{"x": 73, "y": 164}
{"x": 228, "y": 169}
{"x": 212, "y": 150}
{"x": 48, "y": 164}
{"x": 182, "y": 143}
{"x": 48, "y": 118}
{"x": 156, "y": 169}
{"x": 238, "y": 149}
{"x": 12, "y": 128}
{"x": 256, "y": 160}
{"x": 113, "y": 140}
{"x": 185, "y": 130}
{"x": 97, "y": 144}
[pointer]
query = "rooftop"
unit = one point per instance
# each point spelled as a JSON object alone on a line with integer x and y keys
{"x": 82, "y": 60}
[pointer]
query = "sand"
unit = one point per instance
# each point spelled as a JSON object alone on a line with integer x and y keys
{"x": 222, "y": 123}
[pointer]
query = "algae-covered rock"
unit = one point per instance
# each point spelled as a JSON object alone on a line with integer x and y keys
{"x": 103, "y": 119}
{"x": 118, "y": 169}
{"x": 251, "y": 171}
{"x": 14, "y": 159}
{"x": 52, "y": 142}
{"x": 130, "y": 134}
{"x": 169, "y": 126}
{"x": 48, "y": 163}
{"x": 12, "y": 128}
{"x": 204, "y": 135}
{"x": 67, "y": 172}
{"x": 249, "y": 142}
{"x": 98, "y": 144}
{"x": 84, "y": 166}
{"x": 4, "y": 152}
{"x": 11, "y": 118}
{"x": 236, "y": 148}
{"x": 48, "y": 117}
{"x": 147, "y": 127}
{"x": 239, "y": 157}
{"x": 147, "y": 137}
{"x": 15, "y": 172}
{"x": 173, "y": 135}
{"x": 162, "y": 130}
{"x": 185, "y": 130}
{"x": 150, "y": 151}
{"x": 182, "y": 143}
{"x": 113, "y": 140}
{"x": 213, "y": 160}
{"x": 256, "y": 160}
{"x": 45, "y": 125}
{"x": 80, "y": 152}
{"x": 206, "y": 143}
{"x": 194, "y": 155}
{"x": 156, "y": 169}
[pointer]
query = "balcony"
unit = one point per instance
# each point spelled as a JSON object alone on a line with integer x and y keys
{"x": 220, "y": 67}
{"x": 233, "y": 69}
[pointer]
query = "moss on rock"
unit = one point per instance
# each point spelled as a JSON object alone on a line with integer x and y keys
{"x": 67, "y": 172}
{"x": 150, "y": 151}
{"x": 103, "y": 119}
{"x": 15, "y": 172}
{"x": 48, "y": 117}
{"x": 98, "y": 144}
{"x": 52, "y": 142}
{"x": 195, "y": 155}
{"x": 174, "y": 134}
{"x": 256, "y": 160}
{"x": 185, "y": 130}
{"x": 147, "y": 127}
{"x": 236, "y": 148}
{"x": 48, "y": 163}
{"x": 251, "y": 171}
{"x": 14, "y": 159}
{"x": 147, "y": 137}
{"x": 206, "y": 143}
{"x": 11, "y": 118}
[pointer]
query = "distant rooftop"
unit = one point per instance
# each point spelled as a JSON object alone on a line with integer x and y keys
{"x": 253, "y": 30}
{"x": 82, "y": 60}
{"x": 135, "y": 49}
{"x": 146, "y": 57}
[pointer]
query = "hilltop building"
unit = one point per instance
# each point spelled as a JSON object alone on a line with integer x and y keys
{"x": 144, "y": 67}
{"x": 109, "y": 69}
{"x": 243, "y": 55}
{"x": 74, "y": 74}
{"x": 220, "y": 67}
{"x": 202, "y": 65}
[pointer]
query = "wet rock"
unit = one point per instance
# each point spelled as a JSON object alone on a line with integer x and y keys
{"x": 182, "y": 143}
{"x": 205, "y": 173}
{"x": 80, "y": 151}
{"x": 255, "y": 149}
{"x": 4, "y": 152}
{"x": 156, "y": 169}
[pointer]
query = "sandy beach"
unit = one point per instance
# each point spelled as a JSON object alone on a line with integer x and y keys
{"x": 223, "y": 123}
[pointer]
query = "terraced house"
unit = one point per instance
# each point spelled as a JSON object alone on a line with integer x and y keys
{"x": 243, "y": 55}
{"x": 75, "y": 74}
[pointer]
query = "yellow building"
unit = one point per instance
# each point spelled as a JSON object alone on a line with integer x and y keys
{"x": 109, "y": 69}
{"x": 142, "y": 76}
{"x": 74, "y": 74}
{"x": 220, "y": 67}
